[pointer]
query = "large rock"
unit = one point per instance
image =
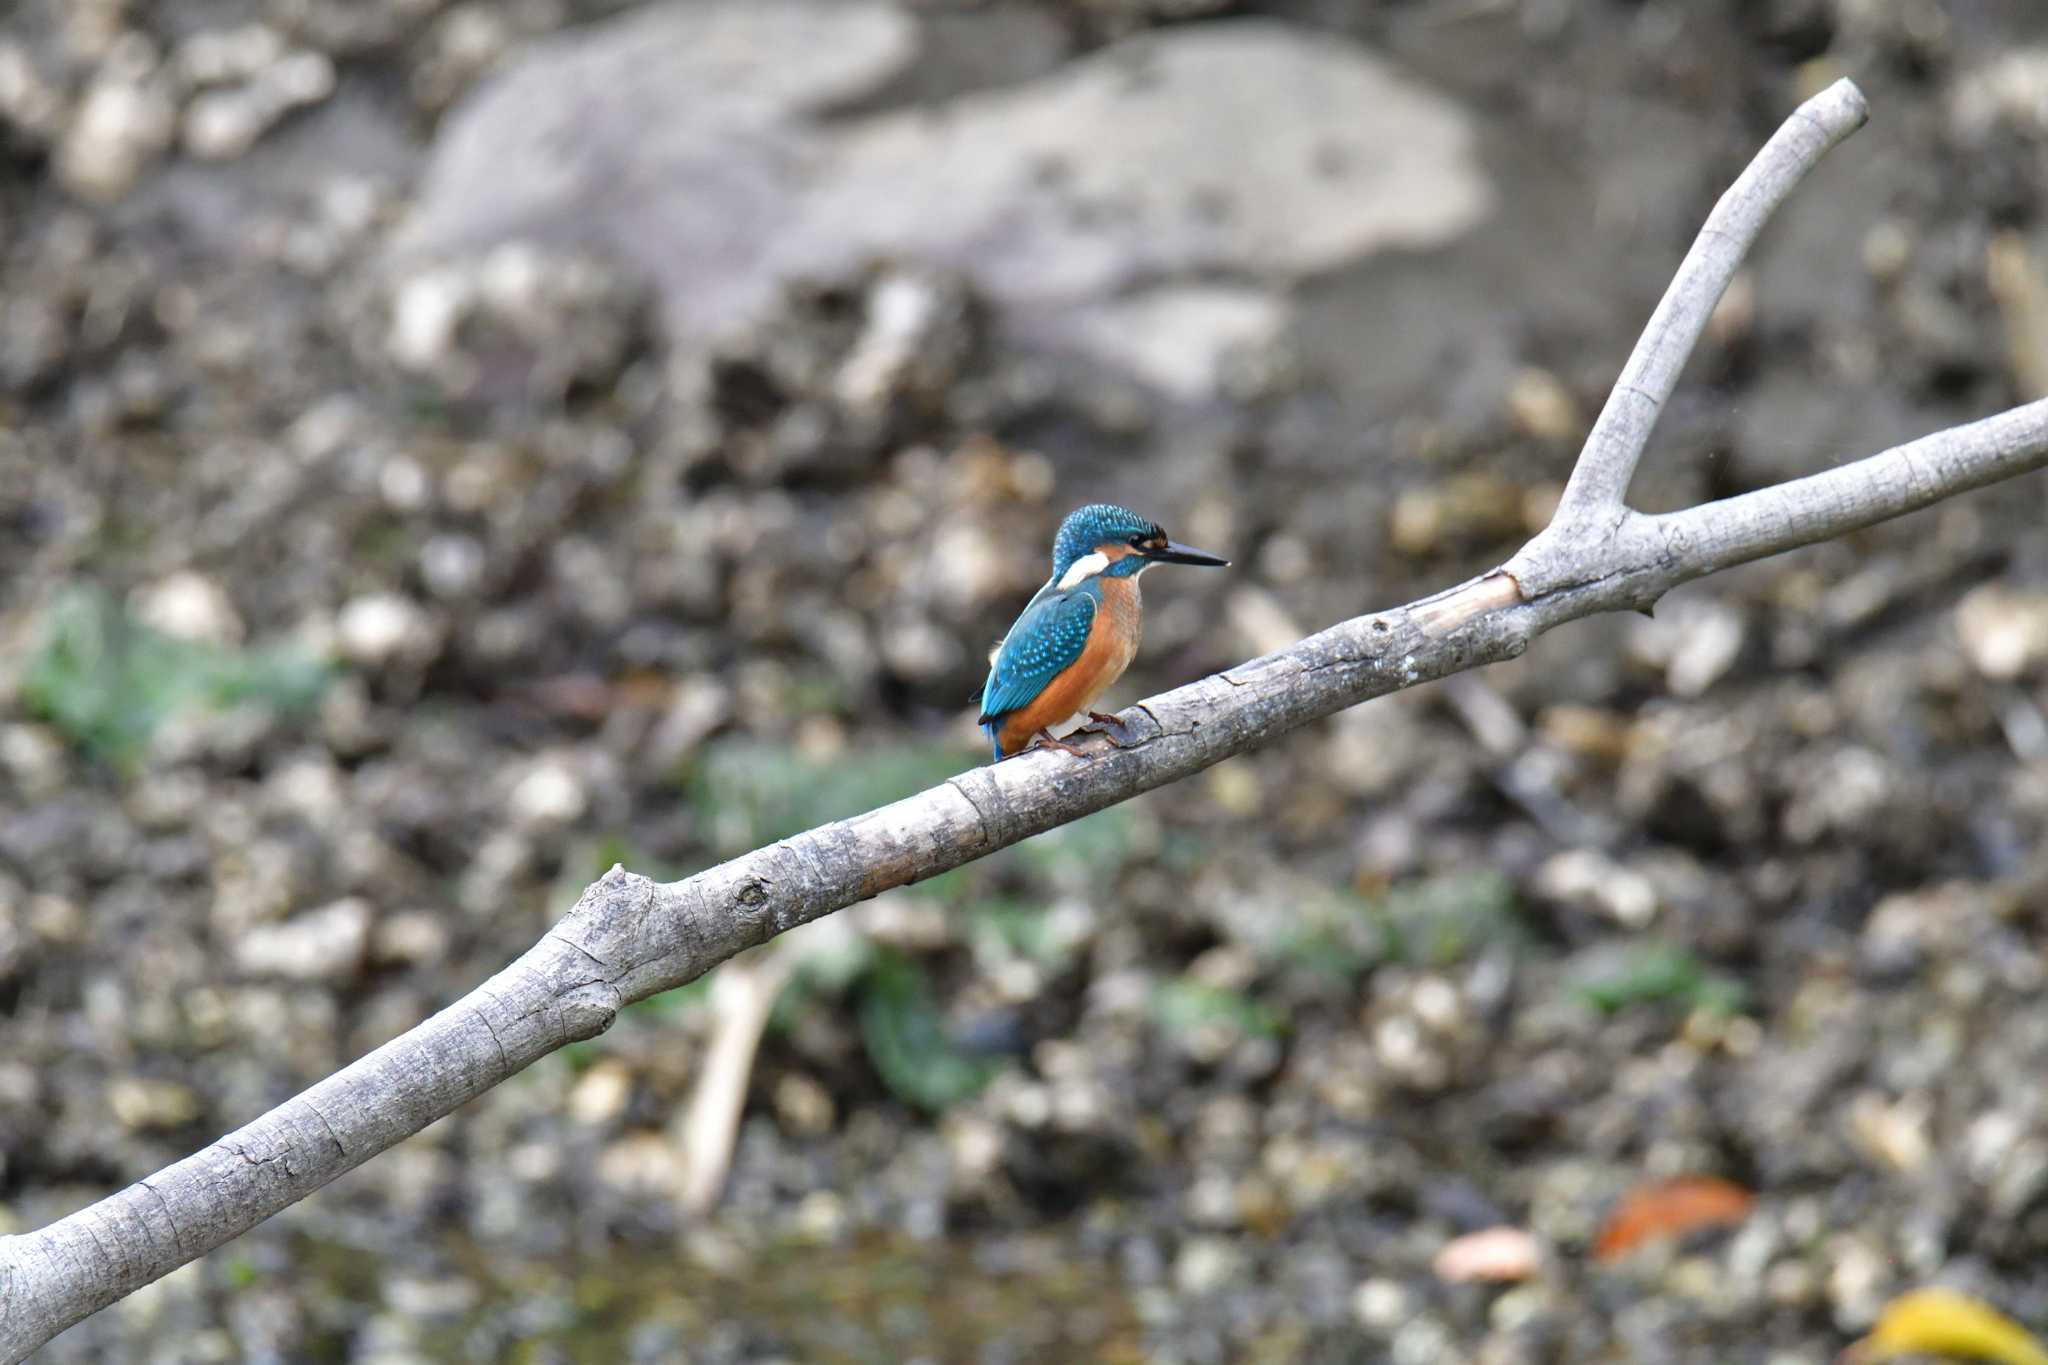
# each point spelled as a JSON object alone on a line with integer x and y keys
{"x": 1250, "y": 147}
{"x": 677, "y": 138}
{"x": 689, "y": 142}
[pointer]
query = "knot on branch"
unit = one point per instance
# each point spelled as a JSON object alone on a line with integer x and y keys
{"x": 608, "y": 918}
{"x": 589, "y": 1010}
{"x": 617, "y": 893}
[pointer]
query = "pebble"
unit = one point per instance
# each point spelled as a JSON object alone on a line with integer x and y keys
{"x": 1205, "y": 1265}
{"x": 1423, "y": 1341}
{"x": 313, "y": 788}
{"x": 219, "y": 55}
{"x": 805, "y": 1109}
{"x": 1211, "y": 1201}
{"x": 902, "y": 310}
{"x": 426, "y": 308}
{"x": 28, "y": 102}
{"x": 452, "y": 565}
{"x": 1695, "y": 642}
{"x": 1454, "y": 513}
{"x": 2020, "y": 1179}
{"x": 166, "y": 799}
{"x": 56, "y": 919}
{"x": 700, "y": 705}
{"x": 1840, "y": 792}
{"x": 383, "y": 628}
{"x": 1590, "y": 880}
{"x": 820, "y": 1218}
{"x": 1234, "y": 786}
{"x": 1543, "y": 408}
{"x": 641, "y": 1164}
{"x": 1791, "y": 1284}
{"x": 411, "y": 938}
{"x": 419, "y": 1298}
{"x": 601, "y": 1094}
{"x": 35, "y": 758}
{"x": 125, "y": 121}
{"x": 550, "y": 793}
{"x": 1887, "y": 250}
{"x": 189, "y": 606}
{"x": 326, "y": 944}
{"x": 1381, "y": 1304}
{"x": 2003, "y": 631}
{"x": 462, "y": 45}
{"x": 144, "y": 1105}
{"x": 2011, "y": 89}
{"x": 1857, "y": 1278}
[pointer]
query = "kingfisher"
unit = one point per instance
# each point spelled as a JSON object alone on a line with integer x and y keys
{"x": 1079, "y": 633}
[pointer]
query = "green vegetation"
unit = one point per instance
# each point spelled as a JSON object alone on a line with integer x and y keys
{"x": 749, "y": 792}
{"x": 1660, "y": 972}
{"x": 1442, "y": 920}
{"x": 906, "y": 1038}
{"x": 107, "y": 681}
{"x": 1434, "y": 922}
{"x": 1095, "y": 846}
{"x": 999, "y": 926}
{"x": 1185, "y": 1005}
{"x": 239, "y": 1271}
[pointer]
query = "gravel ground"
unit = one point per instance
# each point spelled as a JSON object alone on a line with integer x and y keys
{"x": 356, "y": 608}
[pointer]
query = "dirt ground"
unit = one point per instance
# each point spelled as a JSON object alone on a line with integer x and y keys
{"x": 329, "y": 676}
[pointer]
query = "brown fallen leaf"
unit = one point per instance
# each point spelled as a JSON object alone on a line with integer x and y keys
{"x": 1943, "y": 1322}
{"x": 1496, "y": 1255}
{"x": 1670, "y": 1208}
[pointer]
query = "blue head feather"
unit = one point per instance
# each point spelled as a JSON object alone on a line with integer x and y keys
{"x": 1099, "y": 523}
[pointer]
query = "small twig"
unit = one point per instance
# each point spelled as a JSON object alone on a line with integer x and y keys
{"x": 742, "y": 997}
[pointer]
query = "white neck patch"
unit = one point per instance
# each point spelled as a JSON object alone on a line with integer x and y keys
{"x": 1083, "y": 569}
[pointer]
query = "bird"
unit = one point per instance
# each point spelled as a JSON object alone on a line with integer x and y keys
{"x": 1079, "y": 632}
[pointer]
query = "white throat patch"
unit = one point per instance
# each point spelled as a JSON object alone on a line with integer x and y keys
{"x": 1083, "y": 569}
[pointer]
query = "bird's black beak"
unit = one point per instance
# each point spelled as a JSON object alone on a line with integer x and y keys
{"x": 1182, "y": 554}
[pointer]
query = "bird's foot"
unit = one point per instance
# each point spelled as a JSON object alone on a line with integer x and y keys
{"x": 1045, "y": 740}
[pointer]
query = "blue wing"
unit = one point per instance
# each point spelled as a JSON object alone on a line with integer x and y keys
{"x": 1050, "y": 634}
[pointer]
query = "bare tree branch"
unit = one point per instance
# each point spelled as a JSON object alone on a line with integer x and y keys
{"x": 628, "y": 938}
{"x": 1599, "y": 481}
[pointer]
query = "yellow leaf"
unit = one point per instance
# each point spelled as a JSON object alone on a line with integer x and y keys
{"x": 1941, "y": 1322}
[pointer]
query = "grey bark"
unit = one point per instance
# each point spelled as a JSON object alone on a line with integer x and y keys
{"x": 628, "y": 937}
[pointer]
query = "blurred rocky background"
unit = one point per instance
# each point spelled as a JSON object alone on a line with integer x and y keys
{"x": 449, "y": 448}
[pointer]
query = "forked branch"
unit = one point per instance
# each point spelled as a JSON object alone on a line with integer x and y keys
{"x": 1600, "y": 479}
{"x": 629, "y": 938}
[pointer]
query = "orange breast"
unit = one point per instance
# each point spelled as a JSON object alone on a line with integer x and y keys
{"x": 1112, "y": 644}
